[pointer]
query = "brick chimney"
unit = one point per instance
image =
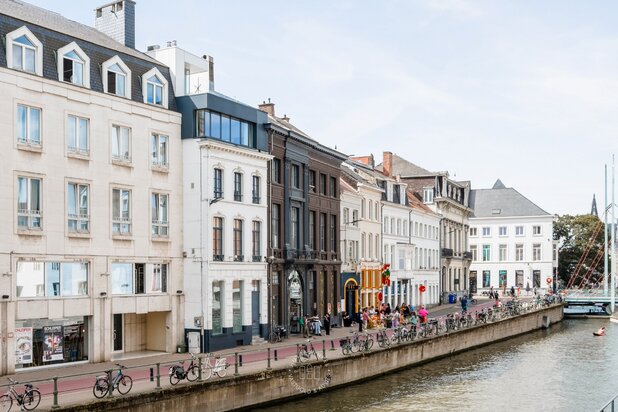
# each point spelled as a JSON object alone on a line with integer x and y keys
{"x": 387, "y": 163}
{"x": 117, "y": 20}
{"x": 368, "y": 160}
{"x": 267, "y": 107}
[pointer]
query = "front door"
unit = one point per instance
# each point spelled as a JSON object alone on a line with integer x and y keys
{"x": 117, "y": 330}
{"x": 473, "y": 282}
{"x": 255, "y": 312}
{"x": 350, "y": 299}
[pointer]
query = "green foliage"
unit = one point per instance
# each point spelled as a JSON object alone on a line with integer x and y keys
{"x": 575, "y": 233}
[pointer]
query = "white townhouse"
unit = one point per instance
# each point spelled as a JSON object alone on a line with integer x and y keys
{"x": 511, "y": 240}
{"x": 225, "y": 160}
{"x": 350, "y": 245}
{"x": 91, "y": 216}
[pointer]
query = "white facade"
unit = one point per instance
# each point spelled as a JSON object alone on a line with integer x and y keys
{"x": 80, "y": 245}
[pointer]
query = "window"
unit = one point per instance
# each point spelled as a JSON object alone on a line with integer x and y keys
{"x": 312, "y": 230}
{"x": 322, "y": 231}
{"x": 296, "y": 176}
{"x": 333, "y": 233}
{"x": 29, "y": 203}
{"x": 218, "y": 186}
{"x": 121, "y": 144}
{"x": 237, "y": 187}
{"x": 536, "y": 230}
{"x": 154, "y": 88}
{"x": 519, "y": 252}
{"x": 486, "y": 231}
{"x": 486, "y": 278}
{"x": 74, "y": 65}
{"x": 312, "y": 181}
{"x": 217, "y": 302}
{"x": 116, "y": 80}
{"x": 355, "y": 217}
{"x": 333, "y": 187}
{"x": 24, "y": 51}
{"x": 323, "y": 186}
{"x": 275, "y": 221}
{"x": 122, "y": 278}
{"x": 28, "y": 125}
{"x": 428, "y": 195}
{"x": 474, "y": 253}
{"x": 502, "y": 253}
{"x": 78, "y": 207}
{"x": 294, "y": 229}
{"x": 158, "y": 147}
{"x": 238, "y": 240}
{"x": 77, "y": 135}
{"x": 226, "y": 128}
{"x": 536, "y": 251}
{"x": 121, "y": 212}
{"x": 276, "y": 169}
{"x": 502, "y": 231}
{"x": 256, "y": 236}
{"x": 486, "y": 253}
{"x": 237, "y": 305}
{"x": 501, "y": 278}
{"x": 346, "y": 216}
{"x": 217, "y": 238}
{"x": 370, "y": 246}
{"x": 160, "y": 224}
{"x": 519, "y": 230}
{"x": 363, "y": 208}
{"x": 139, "y": 278}
{"x": 256, "y": 190}
{"x": 50, "y": 279}
{"x": 157, "y": 274}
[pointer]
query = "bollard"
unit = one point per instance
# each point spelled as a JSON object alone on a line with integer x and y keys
{"x": 276, "y": 358}
{"x": 55, "y": 404}
{"x": 297, "y": 353}
{"x": 323, "y": 349}
{"x": 332, "y": 345}
{"x": 151, "y": 374}
{"x": 110, "y": 387}
{"x": 268, "y": 365}
{"x": 236, "y": 364}
{"x": 240, "y": 360}
{"x": 199, "y": 371}
{"x": 158, "y": 387}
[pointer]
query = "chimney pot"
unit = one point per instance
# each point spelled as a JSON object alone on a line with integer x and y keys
{"x": 268, "y": 107}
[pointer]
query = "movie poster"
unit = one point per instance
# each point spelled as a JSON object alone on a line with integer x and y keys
{"x": 52, "y": 344}
{"x": 23, "y": 351}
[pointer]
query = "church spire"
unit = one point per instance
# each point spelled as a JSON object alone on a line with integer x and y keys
{"x": 594, "y": 211}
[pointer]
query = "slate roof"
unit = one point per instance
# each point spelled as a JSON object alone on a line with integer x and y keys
{"x": 404, "y": 167}
{"x": 508, "y": 201}
{"x": 56, "y": 31}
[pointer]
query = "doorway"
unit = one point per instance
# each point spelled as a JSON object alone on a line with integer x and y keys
{"x": 118, "y": 332}
{"x": 255, "y": 308}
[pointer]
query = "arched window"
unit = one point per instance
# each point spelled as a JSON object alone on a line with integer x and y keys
{"x": 24, "y": 51}
{"x": 73, "y": 65}
{"x": 116, "y": 77}
{"x": 154, "y": 88}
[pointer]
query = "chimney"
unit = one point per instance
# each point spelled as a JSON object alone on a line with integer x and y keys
{"x": 117, "y": 20}
{"x": 268, "y": 107}
{"x": 368, "y": 160}
{"x": 211, "y": 74}
{"x": 387, "y": 163}
{"x": 285, "y": 118}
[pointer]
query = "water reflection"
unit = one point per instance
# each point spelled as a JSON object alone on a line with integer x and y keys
{"x": 562, "y": 369}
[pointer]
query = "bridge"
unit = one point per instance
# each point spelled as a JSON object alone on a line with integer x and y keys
{"x": 587, "y": 296}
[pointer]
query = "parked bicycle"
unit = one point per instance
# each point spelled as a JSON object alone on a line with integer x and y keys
{"x": 216, "y": 365}
{"x": 362, "y": 342}
{"x": 306, "y": 351}
{"x": 346, "y": 346}
{"x": 277, "y": 334}
{"x": 120, "y": 382}
{"x": 178, "y": 372}
{"x": 382, "y": 339}
{"x": 28, "y": 400}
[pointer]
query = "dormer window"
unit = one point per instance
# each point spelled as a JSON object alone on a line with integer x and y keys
{"x": 116, "y": 77}
{"x": 74, "y": 65}
{"x": 154, "y": 88}
{"x": 24, "y": 51}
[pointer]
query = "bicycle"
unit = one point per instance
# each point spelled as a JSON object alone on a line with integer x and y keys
{"x": 346, "y": 346}
{"x": 178, "y": 372}
{"x": 382, "y": 339}
{"x": 400, "y": 335}
{"x": 121, "y": 382}
{"x": 219, "y": 367}
{"x": 28, "y": 400}
{"x": 277, "y": 334}
{"x": 306, "y": 351}
{"x": 364, "y": 342}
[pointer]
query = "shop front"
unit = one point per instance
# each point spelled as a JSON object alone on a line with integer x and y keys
{"x": 43, "y": 342}
{"x": 296, "y": 301}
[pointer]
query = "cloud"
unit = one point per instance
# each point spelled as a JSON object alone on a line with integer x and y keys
{"x": 460, "y": 8}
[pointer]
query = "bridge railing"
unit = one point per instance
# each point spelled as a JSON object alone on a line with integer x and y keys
{"x": 611, "y": 406}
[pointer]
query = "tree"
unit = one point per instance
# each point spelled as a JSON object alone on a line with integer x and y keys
{"x": 578, "y": 235}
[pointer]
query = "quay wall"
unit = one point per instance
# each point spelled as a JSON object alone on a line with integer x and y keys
{"x": 287, "y": 383}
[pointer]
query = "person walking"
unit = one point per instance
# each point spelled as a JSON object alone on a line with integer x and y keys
{"x": 301, "y": 324}
{"x": 327, "y": 323}
{"x": 464, "y": 304}
{"x": 423, "y": 314}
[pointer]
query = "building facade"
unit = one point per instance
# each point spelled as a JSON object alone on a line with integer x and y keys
{"x": 304, "y": 232}
{"x": 511, "y": 240}
{"x": 90, "y": 232}
{"x": 225, "y": 160}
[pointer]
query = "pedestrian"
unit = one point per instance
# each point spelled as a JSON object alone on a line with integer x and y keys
{"x": 512, "y": 291}
{"x": 301, "y": 324}
{"x": 327, "y": 323}
{"x": 527, "y": 288}
{"x": 423, "y": 314}
{"x": 464, "y": 304}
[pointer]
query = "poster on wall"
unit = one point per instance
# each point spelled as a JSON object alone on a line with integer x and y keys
{"x": 52, "y": 343}
{"x": 23, "y": 351}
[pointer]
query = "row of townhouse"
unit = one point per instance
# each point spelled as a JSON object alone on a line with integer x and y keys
{"x": 149, "y": 211}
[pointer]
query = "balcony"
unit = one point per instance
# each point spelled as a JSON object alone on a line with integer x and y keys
{"x": 256, "y": 259}
{"x": 447, "y": 253}
{"x": 237, "y": 197}
{"x": 467, "y": 255}
{"x": 256, "y": 200}
{"x": 277, "y": 253}
{"x": 218, "y": 258}
{"x": 239, "y": 258}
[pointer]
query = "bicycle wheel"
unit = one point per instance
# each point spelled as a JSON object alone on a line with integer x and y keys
{"x": 100, "y": 388}
{"x": 345, "y": 349}
{"x": 206, "y": 371}
{"x": 315, "y": 353}
{"x": 125, "y": 384}
{"x": 5, "y": 403}
{"x": 369, "y": 343}
{"x": 174, "y": 379}
{"x": 193, "y": 373}
{"x": 31, "y": 399}
{"x": 221, "y": 371}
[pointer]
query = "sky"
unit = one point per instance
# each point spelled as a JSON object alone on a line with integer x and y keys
{"x": 525, "y": 91}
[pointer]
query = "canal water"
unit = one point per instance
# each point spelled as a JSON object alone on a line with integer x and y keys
{"x": 564, "y": 368}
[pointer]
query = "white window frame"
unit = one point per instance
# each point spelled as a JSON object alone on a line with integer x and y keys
{"x": 77, "y": 149}
{"x": 29, "y": 213}
{"x": 160, "y": 224}
{"x": 121, "y": 221}
{"x": 428, "y": 195}
{"x": 473, "y": 232}
{"x": 503, "y": 231}
{"x": 86, "y": 62}
{"x": 79, "y": 218}
{"x": 486, "y": 258}
{"x": 10, "y": 41}
{"x": 127, "y": 76}
{"x": 534, "y": 230}
{"x": 488, "y": 231}
{"x": 158, "y": 160}
{"x": 121, "y": 158}
{"x": 164, "y": 97}
{"x": 536, "y": 252}
{"x": 519, "y": 252}
{"x": 503, "y": 253}
{"x": 523, "y": 231}
{"x": 28, "y": 141}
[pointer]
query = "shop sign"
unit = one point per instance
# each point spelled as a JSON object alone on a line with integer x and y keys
{"x": 294, "y": 285}
{"x": 23, "y": 346}
{"x": 52, "y": 343}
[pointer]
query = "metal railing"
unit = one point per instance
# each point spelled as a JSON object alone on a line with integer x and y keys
{"x": 611, "y": 406}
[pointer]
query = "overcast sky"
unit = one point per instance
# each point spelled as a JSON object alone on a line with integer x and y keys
{"x": 524, "y": 91}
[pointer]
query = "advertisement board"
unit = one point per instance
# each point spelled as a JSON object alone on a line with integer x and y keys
{"x": 23, "y": 346}
{"x": 52, "y": 343}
